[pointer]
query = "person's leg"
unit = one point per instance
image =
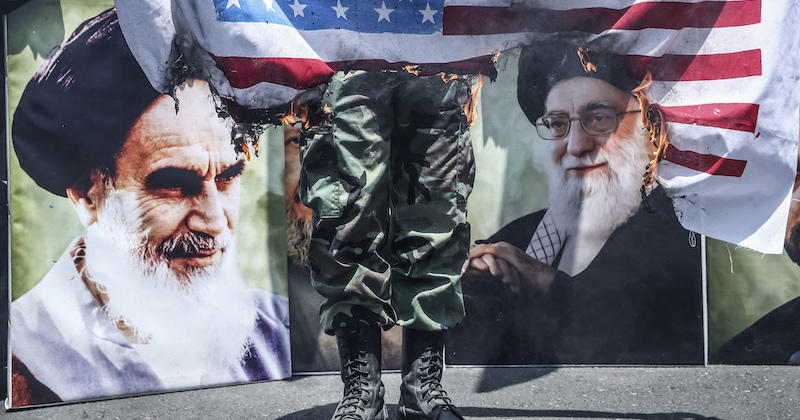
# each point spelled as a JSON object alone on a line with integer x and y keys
{"x": 360, "y": 357}
{"x": 432, "y": 175}
{"x": 345, "y": 182}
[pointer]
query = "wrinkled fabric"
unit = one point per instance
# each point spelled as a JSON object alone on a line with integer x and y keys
{"x": 387, "y": 175}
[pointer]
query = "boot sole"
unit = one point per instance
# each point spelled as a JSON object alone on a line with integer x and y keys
{"x": 405, "y": 414}
{"x": 384, "y": 414}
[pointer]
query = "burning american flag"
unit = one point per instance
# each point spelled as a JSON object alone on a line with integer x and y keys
{"x": 724, "y": 73}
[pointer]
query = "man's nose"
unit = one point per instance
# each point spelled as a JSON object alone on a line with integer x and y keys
{"x": 579, "y": 142}
{"x": 208, "y": 212}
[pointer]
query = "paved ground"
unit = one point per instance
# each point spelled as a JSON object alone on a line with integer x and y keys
{"x": 489, "y": 394}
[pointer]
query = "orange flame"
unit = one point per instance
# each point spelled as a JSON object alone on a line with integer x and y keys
{"x": 586, "y": 61}
{"x": 653, "y": 121}
{"x": 244, "y": 134}
{"x": 297, "y": 113}
{"x": 412, "y": 69}
{"x": 288, "y": 119}
{"x": 448, "y": 77}
{"x": 471, "y": 107}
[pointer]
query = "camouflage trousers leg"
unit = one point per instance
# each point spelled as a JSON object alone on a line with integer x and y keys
{"x": 387, "y": 176}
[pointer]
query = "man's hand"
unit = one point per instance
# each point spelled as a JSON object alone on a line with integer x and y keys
{"x": 512, "y": 266}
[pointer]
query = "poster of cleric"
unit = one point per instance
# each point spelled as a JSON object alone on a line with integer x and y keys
{"x": 565, "y": 183}
{"x": 140, "y": 256}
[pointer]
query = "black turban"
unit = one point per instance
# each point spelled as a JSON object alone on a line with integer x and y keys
{"x": 79, "y": 106}
{"x": 542, "y": 66}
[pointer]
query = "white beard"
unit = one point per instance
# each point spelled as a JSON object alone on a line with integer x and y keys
{"x": 599, "y": 203}
{"x": 188, "y": 328}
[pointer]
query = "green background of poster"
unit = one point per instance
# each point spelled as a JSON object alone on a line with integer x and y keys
{"x": 743, "y": 286}
{"x": 510, "y": 181}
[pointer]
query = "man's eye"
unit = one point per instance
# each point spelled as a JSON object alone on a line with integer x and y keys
{"x": 600, "y": 117}
{"x": 558, "y": 123}
{"x": 599, "y": 120}
{"x": 177, "y": 180}
{"x": 173, "y": 186}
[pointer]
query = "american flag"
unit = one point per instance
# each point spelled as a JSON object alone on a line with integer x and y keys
{"x": 725, "y": 74}
{"x": 266, "y": 51}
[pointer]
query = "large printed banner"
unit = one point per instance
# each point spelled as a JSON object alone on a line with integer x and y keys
{"x": 148, "y": 255}
{"x": 141, "y": 258}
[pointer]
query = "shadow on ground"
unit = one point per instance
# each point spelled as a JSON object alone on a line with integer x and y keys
{"x": 325, "y": 411}
{"x": 499, "y": 378}
{"x": 482, "y": 412}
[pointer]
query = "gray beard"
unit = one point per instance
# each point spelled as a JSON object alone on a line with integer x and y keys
{"x": 211, "y": 313}
{"x": 298, "y": 237}
{"x": 599, "y": 203}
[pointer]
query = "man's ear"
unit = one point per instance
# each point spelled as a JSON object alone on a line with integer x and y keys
{"x": 85, "y": 197}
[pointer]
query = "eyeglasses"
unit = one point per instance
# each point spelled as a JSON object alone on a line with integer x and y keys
{"x": 594, "y": 122}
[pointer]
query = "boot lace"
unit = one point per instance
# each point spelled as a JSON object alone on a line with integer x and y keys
{"x": 353, "y": 405}
{"x": 433, "y": 366}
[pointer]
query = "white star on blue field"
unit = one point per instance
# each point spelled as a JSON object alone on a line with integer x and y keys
{"x": 395, "y": 16}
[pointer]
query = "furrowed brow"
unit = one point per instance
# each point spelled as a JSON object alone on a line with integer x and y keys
{"x": 232, "y": 171}
{"x": 173, "y": 177}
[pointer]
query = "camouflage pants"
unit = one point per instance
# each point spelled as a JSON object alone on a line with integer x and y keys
{"x": 387, "y": 176}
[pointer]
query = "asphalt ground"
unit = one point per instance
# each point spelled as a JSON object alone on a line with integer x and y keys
{"x": 717, "y": 392}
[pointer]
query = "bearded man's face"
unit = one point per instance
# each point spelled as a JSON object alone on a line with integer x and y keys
{"x": 298, "y": 216}
{"x": 160, "y": 242}
{"x": 595, "y": 179}
{"x": 179, "y": 181}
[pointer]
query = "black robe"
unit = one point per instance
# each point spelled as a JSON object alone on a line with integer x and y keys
{"x": 772, "y": 340}
{"x": 638, "y": 302}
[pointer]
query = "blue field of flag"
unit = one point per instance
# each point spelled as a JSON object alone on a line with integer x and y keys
{"x": 371, "y": 16}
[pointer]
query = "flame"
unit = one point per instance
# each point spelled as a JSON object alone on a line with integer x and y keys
{"x": 471, "y": 107}
{"x": 240, "y": 146}
{"x": 448, "y": 77}
{"x": 586, "y": 61}
{"x": 297, "y": 113}
{"x": 241, "y": 134}
{"x": 288, "y": 119}
{"x": 412, "y": 69}
{"x": 653, "y": 121}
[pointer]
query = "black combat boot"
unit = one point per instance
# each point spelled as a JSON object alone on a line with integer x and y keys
{"x": 360, "y": 356}
{"x": 421, "y": 394}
